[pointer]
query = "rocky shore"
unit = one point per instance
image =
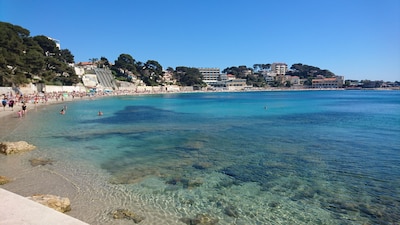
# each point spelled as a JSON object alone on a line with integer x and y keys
{"x": 58, "y": 203}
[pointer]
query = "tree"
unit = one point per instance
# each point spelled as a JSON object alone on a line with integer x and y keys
{"x": 66, "y": 56}
{"x": 256, "y": 67}
{"x": 22, "y": 56}
{"x": 188, "y": 76}
{"x": 151, "y": 72}
{"x": 266, "y": 66}
{"x": 34, "y": 62}
{"x": 93, "y": 60}
{"x": 125, "y": 62}
{"x": 49, "y": 46}
{"x": 103, "y": 62}
{"x": 305, "y": 71}
{"x": 170, "y": 69}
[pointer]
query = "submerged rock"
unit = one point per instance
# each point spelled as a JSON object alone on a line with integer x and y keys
{"x": 55, "y": 202}
{"x": 15, "y": 147}
{"x": 40, "y": 162}
{"x": 200, "y": 219}
{"x": 126, "y": 214}
{"x": 185, "y": 183}
{"x": 231, "y": 211}
{"x": 4, "y": 180}
{"x": 202, "y": 165}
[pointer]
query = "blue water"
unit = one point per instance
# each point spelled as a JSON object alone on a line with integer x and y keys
{"x": 299, "y": 157}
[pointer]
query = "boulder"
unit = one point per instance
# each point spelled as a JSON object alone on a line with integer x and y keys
{"x": 55, "y": 202}
{"x": 15, "y": 147}
{"x": 126, "y": 214}
{"x": 4, "y": 180}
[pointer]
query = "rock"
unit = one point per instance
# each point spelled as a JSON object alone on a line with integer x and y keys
{"x": 200, "y": 219}
{"x": 231, "y": 211}
{"x": 4, "y": 180}
{"x": 40, "y": 162}
{"x": 55, "y": 202}
{"x": 195, "y": 183}
{"x": 15, "y": 147}
{"x": 126, "y": 214}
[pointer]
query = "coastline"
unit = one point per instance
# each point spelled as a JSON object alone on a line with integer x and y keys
{"x": 13, "y": 113}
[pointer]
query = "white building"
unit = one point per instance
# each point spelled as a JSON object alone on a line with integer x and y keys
{"x": 210, "y": 75}
{"x": 279, "y": 68}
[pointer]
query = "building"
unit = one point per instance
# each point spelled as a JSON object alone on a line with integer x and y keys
{"x": 236, "y": 84}
{"x": 332, "y": 82}
{"x": 215, "y": 80}
{"x": 279, "y": 69}
{"x": 210, "y": 75}
{"x": 294, "y": 80}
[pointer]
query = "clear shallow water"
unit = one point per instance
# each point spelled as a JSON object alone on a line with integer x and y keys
{"x": 307, "y": 157}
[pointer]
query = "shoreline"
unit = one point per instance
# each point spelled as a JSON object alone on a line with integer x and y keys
{"x": 30, "y": 105}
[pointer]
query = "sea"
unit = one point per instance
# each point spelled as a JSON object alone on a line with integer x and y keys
{"x": 243, "y": 158}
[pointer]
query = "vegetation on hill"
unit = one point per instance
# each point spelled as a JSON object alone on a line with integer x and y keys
{"x": 25, "y": 59}
{"x": 151, "y": 72}
{"x": 187, "y": 76}
{"x": 252, "y": 76}
{"x": 306, "y": 71}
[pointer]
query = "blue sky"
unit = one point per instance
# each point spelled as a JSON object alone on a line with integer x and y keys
{"x": 359, "y": 39}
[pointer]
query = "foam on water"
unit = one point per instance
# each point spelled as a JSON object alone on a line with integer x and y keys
{"x": 237, "y": 158}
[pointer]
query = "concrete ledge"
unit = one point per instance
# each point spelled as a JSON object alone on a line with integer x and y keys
{"x": 18, "y": 210}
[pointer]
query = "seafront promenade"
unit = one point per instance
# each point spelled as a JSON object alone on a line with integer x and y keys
{"x": 16, "y": 209}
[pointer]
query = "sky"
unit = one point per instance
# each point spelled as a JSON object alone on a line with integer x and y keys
{"x": 358, "y": 39}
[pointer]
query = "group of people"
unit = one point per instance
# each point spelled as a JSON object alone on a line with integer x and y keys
{"x": 11, "y": 104}
{"x": 6, "y": 102}
{"x": 11, "y": 99}
{"x": 64, "y": 110}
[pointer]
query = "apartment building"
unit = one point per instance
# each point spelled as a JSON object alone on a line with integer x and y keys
{"x": 279, "y": 68}
{"x": 210, "y": 75}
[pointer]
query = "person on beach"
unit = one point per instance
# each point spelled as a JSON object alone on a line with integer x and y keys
{"x": 4, "y": 103}
{"x": 11, "y": 104}
{"x": 23, "y": 109}
{"x": 19, "y": 113}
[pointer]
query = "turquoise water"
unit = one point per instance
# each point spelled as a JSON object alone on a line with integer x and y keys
{"x": 300, "y": 157}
